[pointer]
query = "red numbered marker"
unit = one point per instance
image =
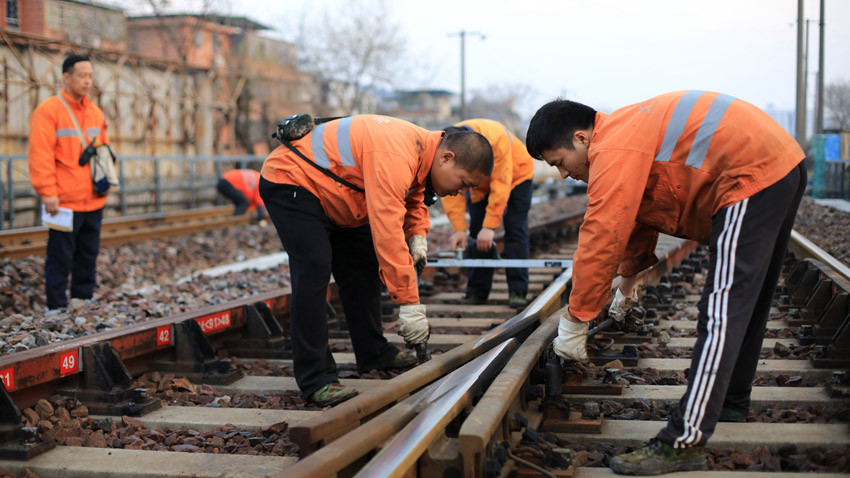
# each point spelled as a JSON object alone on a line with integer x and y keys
{"x": 68, "y": 362}
{"x": 7, "y": 376}
{"x": 214, "y": 322}
{"x": 163, "y": 336}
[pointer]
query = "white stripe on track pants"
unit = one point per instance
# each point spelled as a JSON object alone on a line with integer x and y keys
{"x": 748, "y": 243}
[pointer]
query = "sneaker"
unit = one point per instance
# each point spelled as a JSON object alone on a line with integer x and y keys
{"x": 403, "y": 359}
{"x": 332, "y": 394}
{"x": 517, "y": 300}
{"x": 473, "y": 300}
{"x": 656, "y": 458}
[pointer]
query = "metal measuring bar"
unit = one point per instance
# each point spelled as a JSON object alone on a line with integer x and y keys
{"x": 502, "y": 263}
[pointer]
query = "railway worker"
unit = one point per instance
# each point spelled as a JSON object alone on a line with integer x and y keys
{"x": 504, "y": 198}
{"x": 241, "y": 186}
{"x": 692, "y": 164}
{"x": 365, "y": 224}
{"x": 57, "y": 177}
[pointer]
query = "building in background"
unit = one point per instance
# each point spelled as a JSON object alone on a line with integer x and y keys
{"x": 88, "y": 24}
{"x": 430, "y": 109}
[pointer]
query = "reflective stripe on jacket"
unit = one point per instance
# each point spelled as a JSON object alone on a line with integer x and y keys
{"x": 512, "y": 165}
{"x": 390, "y": 159}
{"x": 247, "y": 181}
{"x": 55, "y": 148}
{"x": 668, "y": 165}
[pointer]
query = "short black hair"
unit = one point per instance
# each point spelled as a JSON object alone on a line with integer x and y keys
{"x": 554, "y": 125}
{"x": 472, "y": 151}
{"x": 454, "y": 129}
{"x": 68, "y": 64}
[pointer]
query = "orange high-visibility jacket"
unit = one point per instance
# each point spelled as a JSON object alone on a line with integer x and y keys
{"x": 668, "y": 165}
{"x": 247, "y": 181}
{"x": 390, "y": 159}
{"x": 55, "y": 149}
{"x": 512, "y": 165}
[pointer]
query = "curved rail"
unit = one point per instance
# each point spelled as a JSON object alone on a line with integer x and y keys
{"x": 126, "y": 229}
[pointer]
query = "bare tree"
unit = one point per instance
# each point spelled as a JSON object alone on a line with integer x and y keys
{"x": 837, "y": 101}
{"x": 499, "y": 102}
{"x": 353, "y": 49}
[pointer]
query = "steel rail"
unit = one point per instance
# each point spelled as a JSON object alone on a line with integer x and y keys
{"x": 396, "y": 458}
{"x": 491, "y": 413}
{"x": 39, "y": 233}
{"x": 17, "y": 243}
{"x": 42, "y": 365}
{"x": 804, "y": 247}
{"x": 313, "y": 433}
{"x": 502, "y": 395}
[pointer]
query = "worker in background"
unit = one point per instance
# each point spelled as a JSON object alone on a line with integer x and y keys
{"x": 241, "y": 186}
{"x": 691, "y": 164}
{"x": 352, "y": 202}
{"x": 504, "y": 198}
{"x": 55, "y": 148}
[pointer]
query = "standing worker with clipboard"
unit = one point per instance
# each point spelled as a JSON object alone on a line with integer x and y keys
{"x": 55, "y": 150}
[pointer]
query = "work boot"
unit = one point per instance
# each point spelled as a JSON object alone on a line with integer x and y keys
{"x": 403, "y": 359}
{"x": 473, "y": 300}
{"x": 332, "y": 394}
{"x": 517, "y": 300}
{"x": 656, "y": 458}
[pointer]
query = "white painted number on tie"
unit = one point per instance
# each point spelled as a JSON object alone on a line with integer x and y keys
{"x": 68, "y": 362}
{"x": 163, "y": 336}
{"x": 6, "y": 378}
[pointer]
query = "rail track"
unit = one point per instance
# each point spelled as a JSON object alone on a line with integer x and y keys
{"x": 490, "y": 402}
{"x": 116, "y": 231}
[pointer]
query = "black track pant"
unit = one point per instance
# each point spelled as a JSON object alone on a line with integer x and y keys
{"x": 748, "y": 243}
{"x": 75, "y": 253}
{"x": 515, "y": 221}
{"x": 236, "y": 197}
{"x": 317, "y": 247}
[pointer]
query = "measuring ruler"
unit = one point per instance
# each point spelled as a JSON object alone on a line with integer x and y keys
{"x": 502, "y": 263}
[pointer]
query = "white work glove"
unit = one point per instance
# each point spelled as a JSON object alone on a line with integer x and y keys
{"x": 419, "y": 252}
{"x": 621, "y": 305}
{"x": 415, "y": 328}
{"x": 571, "y": 342}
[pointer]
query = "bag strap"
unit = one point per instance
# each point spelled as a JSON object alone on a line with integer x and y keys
{"x": 74, "y": 119}
{"x": 324, "y": 171}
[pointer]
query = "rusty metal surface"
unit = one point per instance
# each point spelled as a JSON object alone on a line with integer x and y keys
{"x": 402, "y": 452}
{"x": 483, "y": 421}
{"x": 41, "y": 365}
{"x": 118, "y": 231}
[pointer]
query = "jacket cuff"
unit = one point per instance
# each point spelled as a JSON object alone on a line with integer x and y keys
{"x": 406, "y": 295}
{"x": 491, "y": 222}
{"x": 583, "y": 315}
{"x": 633, "y": 265}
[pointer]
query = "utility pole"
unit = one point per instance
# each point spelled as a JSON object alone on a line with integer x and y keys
{"x": 801, "y": 80}
{"x": 462, "y": 34}
{"x": 819, "y": 110}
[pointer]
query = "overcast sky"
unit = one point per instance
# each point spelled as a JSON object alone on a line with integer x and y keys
{"x": 606, "y": 53}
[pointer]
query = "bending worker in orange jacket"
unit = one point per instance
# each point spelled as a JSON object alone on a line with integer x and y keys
{"x": 363, "y": 238}
{"x": 692, "y": 164}
{"x": 241, "y": 186}
{"x": 57, "y": 177}
{"x": 506, "y": 194}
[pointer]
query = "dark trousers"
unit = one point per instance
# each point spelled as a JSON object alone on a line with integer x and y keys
{"x": 515, "y": 221}
{"x": 317, "y": 247}
{"x": 748, "y": 243}
{"x": 75, "y": 253}
{"x": 236, "y": 197}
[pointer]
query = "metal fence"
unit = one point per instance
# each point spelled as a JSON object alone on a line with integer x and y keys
{"x": 148, "y": 184}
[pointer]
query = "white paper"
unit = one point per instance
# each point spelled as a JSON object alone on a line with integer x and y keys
{"x": 62, "y": 221}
